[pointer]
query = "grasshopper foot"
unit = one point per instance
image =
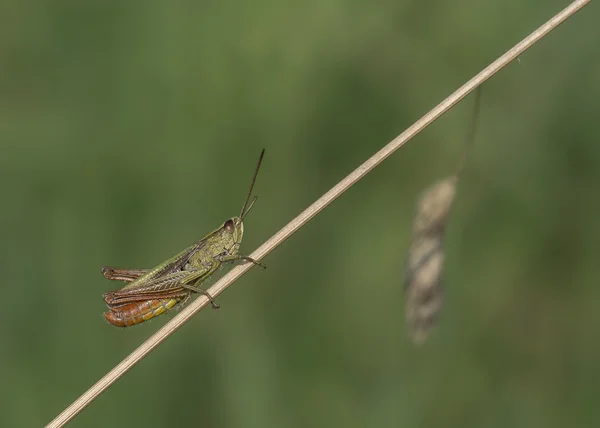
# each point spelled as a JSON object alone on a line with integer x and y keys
{"x": 214, "y": 304}
{"x": 251, "y": 260}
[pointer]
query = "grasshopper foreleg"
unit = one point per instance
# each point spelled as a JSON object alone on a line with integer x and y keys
{"x": 233, "y": 258}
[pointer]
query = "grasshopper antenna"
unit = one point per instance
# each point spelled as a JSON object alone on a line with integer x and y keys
{"x": 244, "y": 210}
{"x": 472, "y": 131}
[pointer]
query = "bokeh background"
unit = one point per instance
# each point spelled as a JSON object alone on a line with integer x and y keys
{"x": 129, "y": 130}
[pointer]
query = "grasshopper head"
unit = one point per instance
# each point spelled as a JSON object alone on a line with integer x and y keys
{"x": 234, "y": 229}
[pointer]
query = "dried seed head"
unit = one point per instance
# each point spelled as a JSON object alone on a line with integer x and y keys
{"x": 424, "y": 264}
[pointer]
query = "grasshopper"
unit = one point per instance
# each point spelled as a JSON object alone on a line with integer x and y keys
{"x": 152, "y": 292}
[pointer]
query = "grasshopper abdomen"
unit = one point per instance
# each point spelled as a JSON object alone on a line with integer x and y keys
{"x": 138, "y": 312}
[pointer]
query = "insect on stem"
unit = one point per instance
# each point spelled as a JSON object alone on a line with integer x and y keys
{"x": 152, "y": 292}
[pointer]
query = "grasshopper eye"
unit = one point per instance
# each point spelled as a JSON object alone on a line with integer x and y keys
{"x": 229, "y": 225}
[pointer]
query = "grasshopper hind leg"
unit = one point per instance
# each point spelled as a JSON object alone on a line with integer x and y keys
{"x": 126, "y": 275}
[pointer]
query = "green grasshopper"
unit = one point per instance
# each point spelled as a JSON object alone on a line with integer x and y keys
{"x": 152, "y": 292}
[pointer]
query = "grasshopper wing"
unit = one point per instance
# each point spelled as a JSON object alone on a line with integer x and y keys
{"x": 169, "y": 285}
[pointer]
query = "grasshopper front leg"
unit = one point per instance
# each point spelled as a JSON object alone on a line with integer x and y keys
{"x": 233, "y": 258}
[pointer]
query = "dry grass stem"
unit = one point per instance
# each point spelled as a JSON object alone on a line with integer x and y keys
{"x": 184, "y": 316}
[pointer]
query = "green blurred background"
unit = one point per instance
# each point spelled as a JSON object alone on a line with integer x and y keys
{"x": 128, "y": 130}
